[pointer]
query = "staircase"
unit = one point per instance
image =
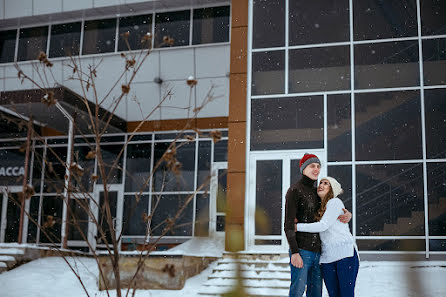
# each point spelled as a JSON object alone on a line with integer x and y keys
{"x": 9, "y": 257}
{"x": 262, "y": 275}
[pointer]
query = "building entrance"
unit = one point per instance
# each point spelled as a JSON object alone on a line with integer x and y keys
{"x": 9, "y": 214}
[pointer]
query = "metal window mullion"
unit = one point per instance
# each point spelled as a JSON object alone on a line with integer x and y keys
{"x": 423, "y": 130}
{"x": 286, "y": 46}
{"x": 191, "y": 18}
{"x": 326, "y": 131}
{"x": 48, "y": 41}
{"x": 153, "y": 30}
{"x": 16, "y": 49}
{"x": 195, "y": 185}
{"x": 81, "y": 45}
{"x": 117, "y": 35}
{"x": 151, "y": 176}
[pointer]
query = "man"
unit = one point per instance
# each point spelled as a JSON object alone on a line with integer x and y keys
{"x": 302, "y": 203}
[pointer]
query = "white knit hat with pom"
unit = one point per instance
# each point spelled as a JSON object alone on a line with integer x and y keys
{"x": 335, "y": 186}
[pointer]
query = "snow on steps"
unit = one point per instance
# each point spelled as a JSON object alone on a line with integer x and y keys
{"x": 265, "y": 275}
{"x": 8, "y": 257}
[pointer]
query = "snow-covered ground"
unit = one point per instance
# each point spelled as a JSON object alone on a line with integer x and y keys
{"x": 51, "y": 277}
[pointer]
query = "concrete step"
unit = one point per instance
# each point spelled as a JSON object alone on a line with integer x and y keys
{"x": 3, "y": 266}
{"x": 10, "y": 261}
{"x": 249, "y": 283}
{"x": 12, "y": 251}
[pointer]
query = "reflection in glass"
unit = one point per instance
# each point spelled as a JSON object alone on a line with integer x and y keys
{"x": 204, "y": 165}
{"x": 268, "y": 73}
{"x": 268, "y": 214}
{"x": 437, "y": 245}
{"x": 83, "y": 182}
{"x": 389, "y": 199}
{"x": 221, "y": 190}
{"x": 391, "y": 244}
{"x": 34, "y": 206}
{"x": 436, "y": 191}
{"x": 295, "y": 174}
{"x": 388, "y": 126}
{"x": 435, "y": 109}
{"x": 12, "y": 167}
{"x": 106, "y": 236}
{"x": 135, "y": 215}
{"x": 137, "y": 27}
{"x": 434, "y": 61}
{"x": 78, "y": 219}
{"x": 343, "y": 174}
{"x": 65, "y": 40}
{"x": 112, "y": 165}
{"x": 12, "y": 217}
{"x": 167, "y": 209}
{"x": 99, "y": 36}
{"x": 339, "y": 126}
{"x": 138, "y": 167}
{"x": 32, "y": 41}
{"x": 211, "y": 25}
{"x": 51, "y": 218}
{"x": 7, "y": 45}
{"x": 384, "y": 19}
{"x": 175, "y": 25}
{"x": 313, "y": 22}
{"x": 319, "y": 69}
{"x": 221, "y": 151}
{"x": 387, "y": 64}
{"x": 433, "y": 21}
{"x": 221, "y": 221}
{"x": 287, "y": 123}
{"x": 54, "y": 169}
{"x": 202, "y": 215}
{"x": 268, "y": 23}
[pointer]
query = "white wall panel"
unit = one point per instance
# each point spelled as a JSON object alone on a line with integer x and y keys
{"x": 10, "y": 71}
{"x": 2, "y": 71}
{"x": 18, "y": 8}
{"x": 14, "y": 84}
{"x": 47, "y": 6}
{"x": 142, "y": 100}
{"x": 2, "y": 9}
{"x": 149, "y": 69}
{"x": 69, "y": 5}
{"x": 177, "y": 64}
{"x": 212, "y": 61}
{"x": 176, "y": 106}
{"x": 75, "y": 84}
{"x": 219, "y": 106}
{"x": 102, "y": 3}
{"x": 57, "y": 73}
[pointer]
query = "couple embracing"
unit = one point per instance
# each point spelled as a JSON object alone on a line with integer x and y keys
{"x": 321, "y": 245}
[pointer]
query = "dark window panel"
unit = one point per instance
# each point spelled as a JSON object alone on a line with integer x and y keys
{"x": 268, "y": 23}
{"x": 78, "y": 219}
{"x": 389, "y": 200}
{"x": 374, "y": 19}
{"x": 211, "y": 25}
{"x": 102, "y": 216}
{"x": 318, "y": 21}
{"x": 204, "y": 165}
{"x": 343, "y": 174}
{"x": 221, "y": 151}
{"x": 32, "y": 41}
{"x": 138, "y": 167}
{"x": 37, "y": 168}
{"x": 268, "y": 73}
{"x": 388, "y": 126}
{"x": 388, "y": 64}
{"x": 339, "y": 128}
{"x": 435, "y": 110}
{"x": 51, "y": 219}
{"x": 434, "y": 61}
{"x": 12, "y": 217}
{"x": 113, "y": 171}
{"x": 175, "y": 25}
{"x": 433, "y": 17}
{"x": 436, "y": 191}
{"x": 7, "y": 46}
{"x": 167, "y": 209}
{"x": 54, "y": 181}
{"x": 406, "y": 245}
{"x": 99, "y": 36}
{"x": 13, "y": 167}
{"x": 287, "y": 123}
{"x": 83, "y": 182}
{"x": 202, "y": 215}
{"x": 34, "y": 206}
{"x": 437, "y": 245}
{"x": 319, "y": 69}
{"x": 135, "y": 215}
{"x": 221, "y": 221}
{"x": 137, "y": 27}
{"x": 295, "y": 174}
{"x": 65, "y": 40}
{"x": 222, "y": 190}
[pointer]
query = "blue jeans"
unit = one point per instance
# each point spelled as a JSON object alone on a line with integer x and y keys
{"x": 309, "y": 276}
{"x": 340, "y": 276}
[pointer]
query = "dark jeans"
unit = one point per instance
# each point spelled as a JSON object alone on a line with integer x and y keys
{"x": 340, "y": 276}
{"x": 309, "y": 275}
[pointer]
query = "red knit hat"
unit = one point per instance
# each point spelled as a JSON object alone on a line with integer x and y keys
{"x": 306, "y": 160}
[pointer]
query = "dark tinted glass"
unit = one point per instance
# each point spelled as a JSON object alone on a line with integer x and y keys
{"x": 12, "y": 168}
{"x": 268, "y": 215}
{"x": 221, "y": 221}
{"x": 99, "y": 36}
{"x": 435, "y": 109}
{"x": 112, "y": 165}
{"x": 437, "y": 245}
{"x": 221, "y": 151}
{"x": 55, "y": 169}
{"x": 287, "y": 123}
{"x": 202, "y": 215}
{"x": 51, "y": 219}
{"x": 389, "y": 199}
{"x": 436, "y": 191}
{"x": 314, "y": 22}
{"x": 433, "y": 17}
{"x": 211, "y": 25}
{"x": 391, "y": 245}
{"x": 32, "y": 41}
{"x": 34, "y": 206}
{"x": 268, "y": 23}
{"x": 7, "y": 45}
{"x": 375, "y": 19}
{"x": 204, "y": 165}
{"x": 12, "y": 218}
{"x": 388, "y": 126}
{"x": 137, "y": 27}
{"x": 319, "y": 69}
{"x": 343, "y": 174}
{"x": 295, "y": 174}
{"x": 135, "y": 216}
{"x": 268, "y": 73}
{"x": 339, "y": 128}
{"x": 169, "y": 206}
{"x": 434, "y": 61}
{"x": 65, "y": 40}
{"x": 78, "y": 219}
{"x": 138, "y": 167}
{"x": 221, "y": 190}
{"x": 388, "y": 64}
{"x": 102, "y": 216}
{"x": 82, "y": 180}
{"x": 37, "y": 169}
{"x": 175, "y": 25}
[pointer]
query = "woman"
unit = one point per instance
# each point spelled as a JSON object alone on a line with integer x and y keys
{"x": 339, "y": 258}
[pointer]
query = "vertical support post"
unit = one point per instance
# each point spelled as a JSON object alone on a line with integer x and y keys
{"x": 67, "y": 188}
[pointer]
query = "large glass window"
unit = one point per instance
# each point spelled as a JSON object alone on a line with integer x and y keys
{"x": 32, "y": 41}
{"x": 268, "y": 23}
{"x": 12, "y": 167}
{"x": 165, "y": 211}
{"x": 135, "y": 215}
{"x": 343, "y": 174}
{"x": 211, "y": 25}
{"x": 432, "y": 13}
{"x": 137, "y": 27}
{"x": 65, "y": 40}
{"x": 313, "y": 22}
{"x": 99, "y": 36}
{"x": 287, "y": 123}
{"x": 55, "y": 169}
{"x": 434, "y": 61}
{"x": 435, "y": 109}
{"x": 436, "y": 190}
{"x": 388, "y": 126}
{"x": 387, "y": 64}
{"x": 339, "y": 126}
{"x": 138, "y": 167}
{"x": 77, "y": 219}
{"x": 7, "y": 45}
{"x": 33, "y": 220}
{"x": 202, "y": 215}
{"x": 204, "y": 165}
{"x": 51, "y": 219}
{"x": 221, "y": 151}
{"x": 175, "y": 25}
{"x": 319, "y": 69}
{"x": 268, "y": 73}
{"x": 83, "y": 180}
{"x": 113, "y": 167}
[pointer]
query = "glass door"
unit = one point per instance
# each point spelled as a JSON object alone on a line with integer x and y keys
{"x": 218, "y": 197}
{"x": 270, "y": 176}
{"x": 10, "y": 214}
